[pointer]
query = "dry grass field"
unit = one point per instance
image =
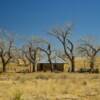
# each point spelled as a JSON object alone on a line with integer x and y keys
{"x": 49, "y": 86}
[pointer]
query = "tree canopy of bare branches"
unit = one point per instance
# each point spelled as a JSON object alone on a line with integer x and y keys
{"x": 48, "y": 52}
{"x": 32, "y": 55}
{"x": 6, "y": 48}
{"x": 63, "y": 36}
{"x": 88, "y": 49}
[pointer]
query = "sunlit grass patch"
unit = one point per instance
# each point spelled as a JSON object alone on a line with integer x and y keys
{"x": 50, "y": 86}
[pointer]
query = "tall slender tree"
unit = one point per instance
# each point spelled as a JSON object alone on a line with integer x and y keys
{"x": 6, "y": 48}
{"x": 63, "y": 36}
{"x": 32, "y": 55}
{"x": 48, "y": 52}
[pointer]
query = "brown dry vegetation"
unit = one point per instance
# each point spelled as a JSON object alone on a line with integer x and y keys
{"x": 49, "y": 86}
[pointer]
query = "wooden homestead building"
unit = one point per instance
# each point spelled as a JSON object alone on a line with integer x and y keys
{"x": 58, "y": 65}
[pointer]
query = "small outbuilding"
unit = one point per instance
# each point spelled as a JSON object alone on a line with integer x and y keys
{"x": 58, "y": 65}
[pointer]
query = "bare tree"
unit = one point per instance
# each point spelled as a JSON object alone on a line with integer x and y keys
{"x": 6, "y": 48}
{"x": 86, "y": 48}
{"x": 48, "y": 52}
{"x": 31, "y": 54}
{"x": 63, "y": 36}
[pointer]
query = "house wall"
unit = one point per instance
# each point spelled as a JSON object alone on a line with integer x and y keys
{"x": 47, "y": 67}
{"x": 43, "y": 67}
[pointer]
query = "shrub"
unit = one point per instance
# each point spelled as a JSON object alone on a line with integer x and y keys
{"x": 84, "y": 70}
{"x": 40, "y": 76}
{"x": 17, "y": 95}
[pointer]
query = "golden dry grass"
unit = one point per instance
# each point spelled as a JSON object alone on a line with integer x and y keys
{"x": 49, "y": 86}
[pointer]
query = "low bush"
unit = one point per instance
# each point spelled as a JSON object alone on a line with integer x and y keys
{"x": 17, "y": 95}
{"x": 84, "y": 70}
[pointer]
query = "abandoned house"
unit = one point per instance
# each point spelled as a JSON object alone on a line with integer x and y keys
{"x": 58, "y": 65}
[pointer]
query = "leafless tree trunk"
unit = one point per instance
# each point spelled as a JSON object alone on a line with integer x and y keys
{"x": 6, "y": 55}
{"x": 31, "y": 55}
{"x": 48, "y": 52}
{"x": 89, "y": 50}
{"x": 62, "y": 35}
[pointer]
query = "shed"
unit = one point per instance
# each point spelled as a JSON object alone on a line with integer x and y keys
{"x": 44, "y": 65}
